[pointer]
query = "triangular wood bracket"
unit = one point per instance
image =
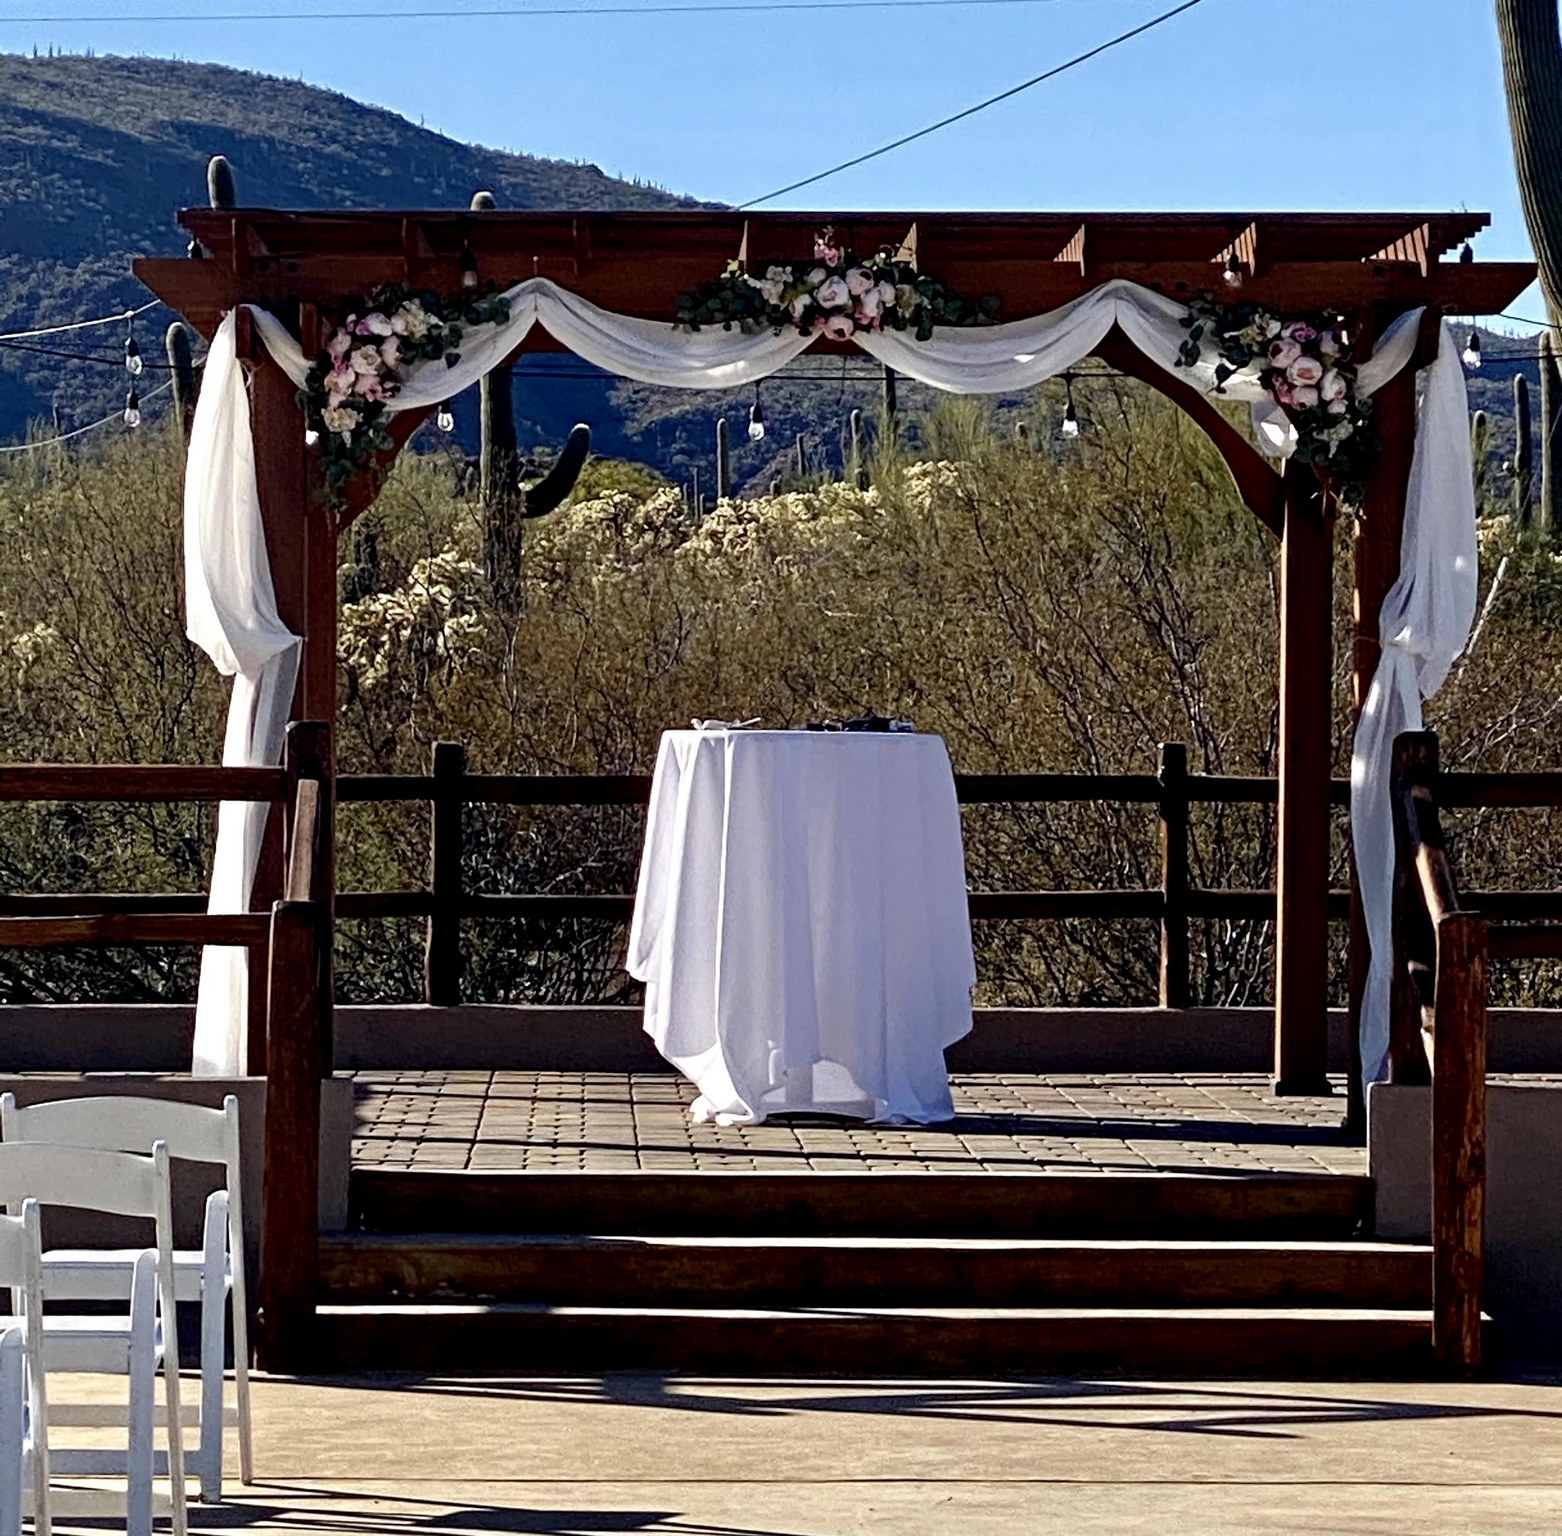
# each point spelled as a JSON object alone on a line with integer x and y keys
{"x": 1245, "y": 248}
{"x": 743, "y": 249}
{"x": 1074, "y": 252}
{"x": 1411, "y": 247}
{"x": 907, "y": 250}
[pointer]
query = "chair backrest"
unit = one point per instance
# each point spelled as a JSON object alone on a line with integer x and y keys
{"x": 122, "y": 1183}
{"x": 128, "y": 1123}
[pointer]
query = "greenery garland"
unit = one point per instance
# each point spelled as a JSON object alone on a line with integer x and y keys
{"x": 365, "y": 360}
{"x": 835, "y": 295}
{"x": 1307, "y": 365}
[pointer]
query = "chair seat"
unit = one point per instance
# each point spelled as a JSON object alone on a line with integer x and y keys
{"x": 103, "y": 1274}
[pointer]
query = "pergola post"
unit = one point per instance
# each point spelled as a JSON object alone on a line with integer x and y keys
{"x": 282, "y": 479}
{"x": 1302, "y": 876}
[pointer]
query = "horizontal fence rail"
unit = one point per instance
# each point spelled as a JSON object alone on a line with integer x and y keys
{"x": 47, "y": 920}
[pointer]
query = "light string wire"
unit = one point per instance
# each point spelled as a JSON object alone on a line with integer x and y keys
{"x": 981, "y": 106}
{"x": 119, "y": 317}
{"x": 719, "y": 6}
{"x": 64, "y": 437}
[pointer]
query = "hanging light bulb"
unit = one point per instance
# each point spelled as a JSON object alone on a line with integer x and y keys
{"x": 445, "y": 418}
{"x": 1232, "y": 276}
{"x": 1472, "y": 350}
{"x": 468, "y": 267}
{"x": 756, "y": 419}
{"x": 133, "y": 363}
{"x": 1070, "y": 426}
{"x": 132, "y": 408}
{"x": 311, "y": 437}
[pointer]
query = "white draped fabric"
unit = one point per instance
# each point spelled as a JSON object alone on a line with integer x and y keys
{"x": 231, "y": 613}
{"x": 801, "y": 924}
{"x": 1423, "y": 626}
{"x": 228, "y": 575}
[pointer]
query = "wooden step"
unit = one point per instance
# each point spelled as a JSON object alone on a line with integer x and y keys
{"x": 1202, "y": 1342}
{"x": 787, "y": 1272}
{"x": 987, "y": 1205}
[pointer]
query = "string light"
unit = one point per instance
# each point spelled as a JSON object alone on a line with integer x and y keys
{"x": 132, "y": 408}
{"x": 1472, "y": 350}
{"x": 1233, "y": 273}
{"x": 133, "y": 363}
{"x": 468, "y": 267}
{"x": 445, "y": 418}
{"x": 756, "y": 419}
{"x": 311, "y": 437}
{"x": 1070, "y": 426}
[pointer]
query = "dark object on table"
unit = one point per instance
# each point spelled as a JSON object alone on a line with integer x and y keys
{"x": 878, "y": 724}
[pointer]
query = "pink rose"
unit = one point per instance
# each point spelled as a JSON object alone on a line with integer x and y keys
{"x": 859, "y": 280}
{"x": 1282, "y": 392}
{"x": 339, "y": 382}
{"x": 826, "y": 252}
{"x": 839, "y": 327}
{"x": 1304, "y": 398}
{"x": 1333, "y": 386}
{"x": 1305, "y": 370}
{"x": 818, "y": 326}
{"x": 833, "y": 293}
{"x": 870, "y": 303}
{"x": 375, "y": 324}
{"x": 369, "y": 387}
{"x": 1330, "y": 343}
{"x": 1283, "y": 352}
{"x": 339, "y": 345}
{"x": 1299, "y": 330}
{"x": 390, "y": 351}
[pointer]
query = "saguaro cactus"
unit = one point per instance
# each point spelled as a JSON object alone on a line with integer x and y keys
{"x": 551, "y": 491}
{"x": 221, "y": 190}
{"x": 859, "y": 457}
{"x": 1480, "y": 445}
{"x": 181, "y": 366}
{"x": 1522, "y": 452}
{"x": 1532, "y": 78}
{"x": 723, "y": 461}
{"x": 1550, "y": 429}
{"x": 802, "y": 457}
{"x": 891, "y": 402}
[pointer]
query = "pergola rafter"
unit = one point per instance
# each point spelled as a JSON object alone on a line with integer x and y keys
{"x": 1370, "y": 267}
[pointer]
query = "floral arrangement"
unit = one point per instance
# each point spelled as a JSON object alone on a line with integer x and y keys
{"x": 1305, "y": 365}
{"x": 365, "y": 360}
{"x": 836, "y": 295}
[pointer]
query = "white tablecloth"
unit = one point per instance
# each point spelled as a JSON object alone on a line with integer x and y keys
{"x": 801, "y": 924}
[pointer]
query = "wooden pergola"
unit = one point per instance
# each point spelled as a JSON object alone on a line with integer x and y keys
{"x": 1372, "y": 267}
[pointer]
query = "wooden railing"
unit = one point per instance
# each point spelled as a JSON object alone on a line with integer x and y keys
{"x": 289, "y": 962}
{"x": 1173, "y": 904}
{"x": 1438, "y": 1029}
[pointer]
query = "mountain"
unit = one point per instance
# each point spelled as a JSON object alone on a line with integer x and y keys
{"x": 97, "y": 155}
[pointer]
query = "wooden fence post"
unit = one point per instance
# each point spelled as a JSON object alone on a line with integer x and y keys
{"x": 1459, "y": 1142}
{"x": 1173, "y": 774}
{"x": 290, "y": 1186}
{"x": 310, "y": 754}
{"x": 442, "y": 956}
{"x": 1411, "y": 982}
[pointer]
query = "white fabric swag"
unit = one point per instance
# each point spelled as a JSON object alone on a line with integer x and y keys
{"x": 232, "y": 611}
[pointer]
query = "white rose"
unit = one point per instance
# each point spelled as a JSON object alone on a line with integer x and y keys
{"x": 799, "y": 306}
{"x": 886, "y": 293}
{"x": 1333, "y": 385}
{"x": 817, "y": 276}
{"x": 377, "y": 324}
{"x": 870, "y": 303}
{"x": 365, "y": 360}
{"x": 1304, "y": 397}
{"x": 1305, "y": 370}
{"x": 338, "y": 418}
{"x": 1338, "y": 407}
{"x": 859, "y": 281}
{"x": 833, "y": 293}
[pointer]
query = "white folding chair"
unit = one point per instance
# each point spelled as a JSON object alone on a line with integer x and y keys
{"x": 197, "y": 1134}
{"x": 24, "y": 1416}
{"x": 132, "y": 1344}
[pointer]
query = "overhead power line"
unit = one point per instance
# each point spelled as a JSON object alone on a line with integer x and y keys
{"x": 449, "y": 14}
{"x": 981, "y": 106}
{"x": 119, "y": 317}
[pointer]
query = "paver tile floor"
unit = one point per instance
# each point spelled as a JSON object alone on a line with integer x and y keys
{"x": 1013, "y": 1123}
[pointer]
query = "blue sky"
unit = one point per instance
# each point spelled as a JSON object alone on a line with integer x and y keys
{"x": 1256, "y": 104}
